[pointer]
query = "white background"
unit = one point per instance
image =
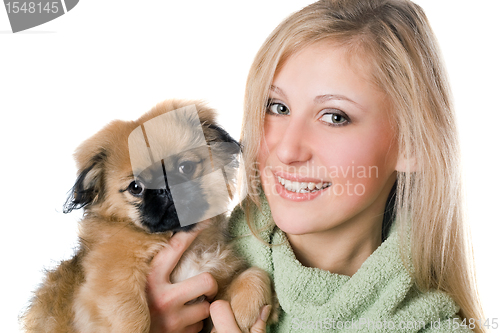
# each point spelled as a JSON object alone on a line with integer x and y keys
{"x": 62, "y": 81}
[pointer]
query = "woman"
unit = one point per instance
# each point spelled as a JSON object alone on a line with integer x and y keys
{"x": 350, "y": 133}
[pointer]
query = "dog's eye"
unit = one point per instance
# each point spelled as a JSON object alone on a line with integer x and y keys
{"x": 187, "y": 168}
{"x": 135, "y": 188}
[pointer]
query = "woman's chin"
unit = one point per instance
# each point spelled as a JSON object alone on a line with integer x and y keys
{"x": 293, "y": 226}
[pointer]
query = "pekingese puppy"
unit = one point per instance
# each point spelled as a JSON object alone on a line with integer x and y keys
{"x": 139, "y": 182}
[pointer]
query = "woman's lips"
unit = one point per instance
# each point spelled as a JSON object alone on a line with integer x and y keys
{"x": 295, "y": 177}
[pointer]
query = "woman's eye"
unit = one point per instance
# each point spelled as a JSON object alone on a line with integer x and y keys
{"x": 278, "y": 108}
{"x": 335, "y": 119}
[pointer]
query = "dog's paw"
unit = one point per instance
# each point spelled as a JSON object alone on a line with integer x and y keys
{"x": 248, "y": 293}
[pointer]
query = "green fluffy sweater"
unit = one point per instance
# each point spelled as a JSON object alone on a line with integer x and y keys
{"x": 380, "y": 297}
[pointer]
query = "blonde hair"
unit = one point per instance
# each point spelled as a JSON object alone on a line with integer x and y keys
{"x": 395, "y": 38}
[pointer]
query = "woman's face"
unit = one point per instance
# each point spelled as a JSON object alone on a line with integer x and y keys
{"x": 329, "y": 154}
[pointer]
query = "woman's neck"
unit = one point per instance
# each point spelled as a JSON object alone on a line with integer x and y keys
{"x": 340, "y": 250}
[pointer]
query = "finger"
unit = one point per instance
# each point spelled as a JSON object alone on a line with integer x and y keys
{"x": 195, "y": 328}
{"x": 177, "y": 295}
{"x": 167, "y": 258}
{"x": 260, "y": 324}
{"x": 196, "y": 286}
{"x": 223, "y": 317}
{"x": 189, "y": 316}
{"x": 195, "y": 313}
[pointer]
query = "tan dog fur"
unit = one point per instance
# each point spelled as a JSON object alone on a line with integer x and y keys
{"x": 102, "y": 288}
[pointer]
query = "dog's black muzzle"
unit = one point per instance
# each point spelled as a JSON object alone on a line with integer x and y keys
{"x": 158, "y": 209}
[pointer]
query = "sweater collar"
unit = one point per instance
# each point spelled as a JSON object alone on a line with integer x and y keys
{"x": 301, "y": 288}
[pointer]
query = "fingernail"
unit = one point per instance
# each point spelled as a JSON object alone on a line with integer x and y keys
{"x": 265, "y": 312}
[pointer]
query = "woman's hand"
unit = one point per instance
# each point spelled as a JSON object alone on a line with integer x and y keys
{"x": 224, "y": 322}
{"x": 167, "y": 301}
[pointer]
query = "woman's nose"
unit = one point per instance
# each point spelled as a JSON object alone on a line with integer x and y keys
{"x": 293, "y": 145}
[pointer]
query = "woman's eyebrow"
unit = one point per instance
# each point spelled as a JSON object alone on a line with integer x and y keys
{"x": 327, "y": 97}
{"x": 278, "y": 91}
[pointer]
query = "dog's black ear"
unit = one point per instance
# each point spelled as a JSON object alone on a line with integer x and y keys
{"x": 89, "y": 185}
{"x": 223, "y": 136}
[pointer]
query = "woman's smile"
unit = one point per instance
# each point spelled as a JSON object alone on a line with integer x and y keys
{"x": 297, "y": 188}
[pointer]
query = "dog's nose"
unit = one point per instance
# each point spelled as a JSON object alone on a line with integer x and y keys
{"x": 164, "y": 196}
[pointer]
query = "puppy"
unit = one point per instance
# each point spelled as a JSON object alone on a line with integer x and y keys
{"x": 139, "y": 182}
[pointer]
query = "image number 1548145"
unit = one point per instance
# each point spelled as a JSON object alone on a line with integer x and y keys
{"x": 24, "y": 15}
{"x": 31, "y": 7}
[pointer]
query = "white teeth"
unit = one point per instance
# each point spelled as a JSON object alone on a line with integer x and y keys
{"x": 302, "y": 187}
